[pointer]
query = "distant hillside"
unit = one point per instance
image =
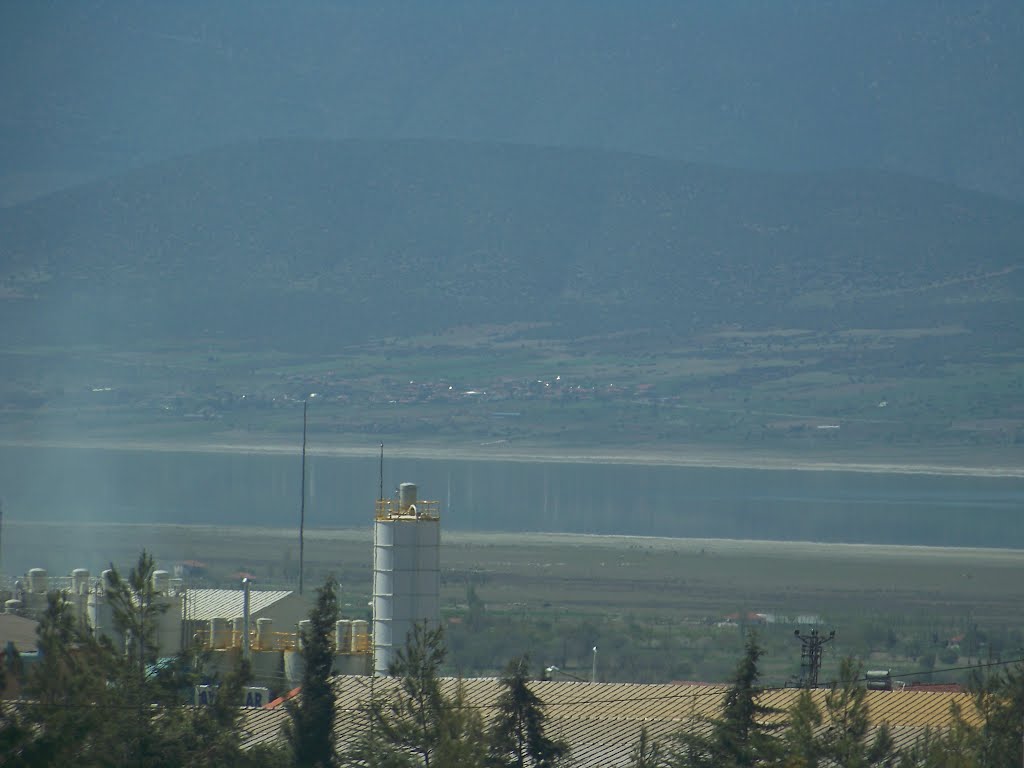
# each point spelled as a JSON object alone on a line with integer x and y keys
{"x": 933, "y": 88}
{"x": 319, "y": 243}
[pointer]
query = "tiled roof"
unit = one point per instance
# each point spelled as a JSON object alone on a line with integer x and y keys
{"x": 206, "y": 604}
{"x": 602, "y": 721}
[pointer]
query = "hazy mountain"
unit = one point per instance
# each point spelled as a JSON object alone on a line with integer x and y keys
{"x": 323, "y": 242}
{"x": 929, "y": 87}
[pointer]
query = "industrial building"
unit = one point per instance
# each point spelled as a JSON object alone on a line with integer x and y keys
{"x": 266, "y": 625}
{"x": 601, "y": 722}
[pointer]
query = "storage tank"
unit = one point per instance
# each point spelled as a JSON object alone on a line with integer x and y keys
{"x": 161, "y": 582}
{"x": 343, "y": 636}
{"x": 13, "y": 606}
{"x": 101, "y": 615}
{"x": 170, "y": 625}
{"x": 78, "y": 596}
{"x": 38, "y": 581}
{"x": 237, "y": 631}
{"x": 305, "y": 628}
{"x": 294, "y": 666}
{"x": 360, "y": 636}
{"x": 220, "y": 633}
{"x": 264, "y": 634}
{"x": 406, "y": 571}
{"x": 406, "y": 496}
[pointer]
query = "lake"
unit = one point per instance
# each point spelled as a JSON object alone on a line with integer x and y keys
{"x": 107, "y": 485}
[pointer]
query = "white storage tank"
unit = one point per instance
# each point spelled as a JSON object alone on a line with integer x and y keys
{"x": 37, "y": 581}
{"x": 161, "y": 582}
{"x": 305, "y": 628}
{"x": 80, "y": 581}
{"x": 294, "y": 667}
{"x": 101, "y": 615}
{"x": 406, "y": 572}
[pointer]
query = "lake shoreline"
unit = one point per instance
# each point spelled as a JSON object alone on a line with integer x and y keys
{"x": 690, "y": 456}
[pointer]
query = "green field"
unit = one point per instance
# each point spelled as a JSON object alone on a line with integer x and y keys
{"x": 851, "y": 393}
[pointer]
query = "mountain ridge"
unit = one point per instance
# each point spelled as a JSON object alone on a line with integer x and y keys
{"x": 357, "y": 238}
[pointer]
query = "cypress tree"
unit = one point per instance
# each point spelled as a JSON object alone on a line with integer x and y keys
{"x": 310, "y": 731}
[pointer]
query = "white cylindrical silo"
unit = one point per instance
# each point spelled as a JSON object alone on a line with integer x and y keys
{"x": 101, "y": 616}
{"x": 161, "y": 582}
{"x": 406, "y": 573}
{"x": 170, "y": 629}
{"x": 80, "y": 581}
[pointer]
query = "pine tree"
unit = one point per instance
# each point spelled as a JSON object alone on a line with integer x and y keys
{"x": 517, "y": 732}
{"x": 801, "y": 737}
{"x": 69, "y": 711}
{"x": 742, "y": 736}
{"x": 311, "y": 729}
{"x": 136, "y": 611}
{"x": 414, "y": 721}
{"x": 999, "y": 699}
{"x": 846, "y": 719}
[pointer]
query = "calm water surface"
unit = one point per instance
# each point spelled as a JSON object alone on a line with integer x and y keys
{"x": 64, "y": 484}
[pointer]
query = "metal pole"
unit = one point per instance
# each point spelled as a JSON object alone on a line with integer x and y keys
{"x": 245, "y": 618}
{"x": 302, "y": 504}
{"x": 593, "y": 669}
{"x": 381, "y": 497}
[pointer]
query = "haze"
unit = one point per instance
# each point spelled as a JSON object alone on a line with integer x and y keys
{"x": 787, "y": 234}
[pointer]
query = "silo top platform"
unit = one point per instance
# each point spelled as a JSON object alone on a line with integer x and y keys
{"x": 391, "y": 509}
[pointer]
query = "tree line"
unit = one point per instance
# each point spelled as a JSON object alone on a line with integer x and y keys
{"x": 89, "y": 703}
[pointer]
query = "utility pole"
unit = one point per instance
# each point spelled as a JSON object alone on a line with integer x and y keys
{"x": 810, "y": 656}
{"x": 302, "y": 502}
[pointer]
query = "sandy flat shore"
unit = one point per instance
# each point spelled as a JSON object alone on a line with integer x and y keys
{"x": 683, "y": 457}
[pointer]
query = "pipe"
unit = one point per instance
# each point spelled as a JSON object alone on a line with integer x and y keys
{"x": 245, "y": 618}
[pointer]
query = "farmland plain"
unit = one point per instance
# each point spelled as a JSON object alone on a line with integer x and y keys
{"x": 659, "y": 608}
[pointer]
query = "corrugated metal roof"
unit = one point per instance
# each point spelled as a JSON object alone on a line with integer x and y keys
{"x": 206, "y": 604}
{"x": 18, "y": 630}
{"x": 602, "y": 721}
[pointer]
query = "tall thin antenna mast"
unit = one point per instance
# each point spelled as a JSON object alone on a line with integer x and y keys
{"x": 381, "y": 497}
{"x": 302, "y": 504}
